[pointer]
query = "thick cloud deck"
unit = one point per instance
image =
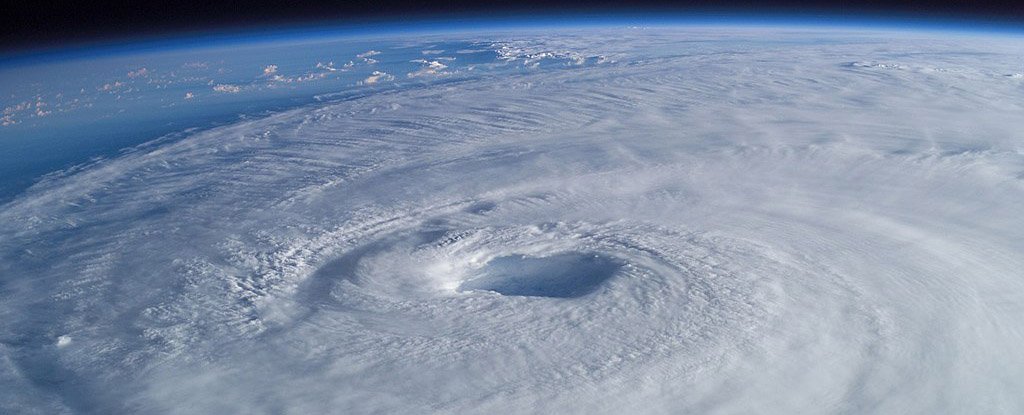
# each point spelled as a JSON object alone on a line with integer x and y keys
{"x": 633, "y": 221}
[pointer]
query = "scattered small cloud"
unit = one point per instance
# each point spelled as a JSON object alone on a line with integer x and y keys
{"x": 18, "y": 107}
{"x": 41, "y": 110}
{"x": 329, "y": 66}
{"x": 189, "y": 95}
{"x": 375, "y": 77}
{"x": 138, "y": 73}
{"x": 110, "y": 87}
{"x": 366, "y": 56}
{"x": 531, "y": 56}
{"x": 28, "y": 109}
{"x": 428, "y": 68}
{"x": 227, "y": 88}
{"x": 433, "y": 51}
{"x": 306, "y": 78}
{"x": 269, "y": 70}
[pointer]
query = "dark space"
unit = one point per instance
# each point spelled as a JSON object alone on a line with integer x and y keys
{"x": 50, "y": 23}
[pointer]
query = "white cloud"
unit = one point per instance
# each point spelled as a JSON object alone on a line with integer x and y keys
{"x": 759, "y": 208}
{"x": 18, "y": 107}
{"x": 227, "y": 88}
{"x": 137, "y": 73}
{"x": 111, "y": 87}
{"x": 368, "y": 54}
{"x": 269, "y": 70}
{"x": 308, "y": 77}
{"x": 428, "y": 68}
{"x": 376, "y": 77}
{"x": 329, "y": 66}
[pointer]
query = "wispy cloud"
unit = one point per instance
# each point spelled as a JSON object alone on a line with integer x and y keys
{"x": 366, "y": 57}
{"x": 138, "y": 73}
{"x": 227, "y": 88}
{"x": 111, "y": 86}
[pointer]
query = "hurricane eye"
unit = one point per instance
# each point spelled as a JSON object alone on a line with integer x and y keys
{"x": 566, "y": 275}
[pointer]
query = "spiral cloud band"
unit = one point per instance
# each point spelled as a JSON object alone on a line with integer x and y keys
{"x": 675, "y": 221}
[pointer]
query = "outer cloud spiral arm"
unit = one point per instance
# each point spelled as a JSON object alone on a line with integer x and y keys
{"x": 820, "y": 220}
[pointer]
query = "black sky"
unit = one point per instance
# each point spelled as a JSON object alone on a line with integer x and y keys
{"x": 42, "y": 23}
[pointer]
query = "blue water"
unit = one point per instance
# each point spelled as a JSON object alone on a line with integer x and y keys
{"x": 117, "y": 108}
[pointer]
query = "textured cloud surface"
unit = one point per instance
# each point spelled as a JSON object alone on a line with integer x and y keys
{"x": 700, "y": 221}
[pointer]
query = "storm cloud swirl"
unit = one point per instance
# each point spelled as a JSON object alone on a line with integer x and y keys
{"x": 693, "y": 221}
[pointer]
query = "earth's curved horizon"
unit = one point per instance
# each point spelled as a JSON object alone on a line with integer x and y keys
{"x": 725, "y": 218}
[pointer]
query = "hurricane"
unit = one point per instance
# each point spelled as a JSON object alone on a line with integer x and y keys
{"x": 600, "y": 220}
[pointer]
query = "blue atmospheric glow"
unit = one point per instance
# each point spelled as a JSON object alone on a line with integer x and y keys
{"x": 354, "y": 29}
